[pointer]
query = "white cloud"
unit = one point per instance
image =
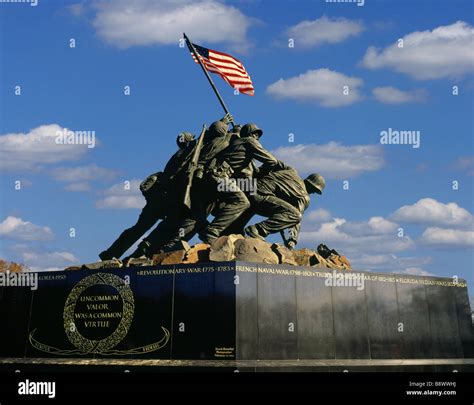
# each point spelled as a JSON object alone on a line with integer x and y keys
{"x": 323, "y": 30}
{"x": 445, "y": 52}
{"x": 161, "y": 22}
{"x": 447, "y": 238}
{"x": 82, "y": 186}
{"x": 121, "y": 202}
{"x": 49, "y": 261}
{"x": 372, "y": 245}
{"x": 321, "y": 86}
{"x": 332, "y": 160}
{"x": 388, "y": 262}
{"x": 351, "y": 239}
{"x": 430, "y": 211}
{"x": 372, "y": 261}
{"x": 416, "y": 271}
{"x": 374, "y": 226}
{"x": 15, "y": 228}
{"x": 392, "y": 95}
{"x": 83, "y": 173}
{"x": 317, "y": 216}
{"x": 122, "y": 196}
{"x": 26, "y": 151}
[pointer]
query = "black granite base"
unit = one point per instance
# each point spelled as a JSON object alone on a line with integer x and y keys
{"x": 236, "y": 311}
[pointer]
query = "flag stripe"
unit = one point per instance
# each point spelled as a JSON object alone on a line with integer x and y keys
{"x": 226, "y": 58}
{"x": 233, "y": 81}
{"x": 226, "y": 66}
{"x": 211, "y": 67}
{"x": 229, "y": 66}
{"x": 230, "y": 73}
{"x": 225, "y": 61}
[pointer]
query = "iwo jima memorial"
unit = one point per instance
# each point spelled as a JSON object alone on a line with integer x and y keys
{"x": 232, "y": 301}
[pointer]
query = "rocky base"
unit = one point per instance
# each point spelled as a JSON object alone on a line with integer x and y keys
{"x": 234, "y": 248}
{"x": 237, "y": 247}
{"x": 230, "y": 248}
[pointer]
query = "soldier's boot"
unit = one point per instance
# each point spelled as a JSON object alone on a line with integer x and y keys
{"x": 254, "y": 232}
{"x": 105, "y": 255}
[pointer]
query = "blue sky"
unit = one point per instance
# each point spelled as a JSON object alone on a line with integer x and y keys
{"x": 298, "y": 90}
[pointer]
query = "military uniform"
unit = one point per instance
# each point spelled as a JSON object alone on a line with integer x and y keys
{"x": 203, "y": 190}
{"x": 160, "y": 200}
{"x": 234, "y": 162}
{"x": 153, "y": 210}
{"x": 282, "y": 197}
{"x": 242, "y": 152}
{"x": 173, "y": 171}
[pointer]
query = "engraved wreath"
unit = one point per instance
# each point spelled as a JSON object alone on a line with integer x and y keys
{"x": 99, "y": 346}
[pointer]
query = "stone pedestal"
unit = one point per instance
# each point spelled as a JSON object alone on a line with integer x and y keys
{"x": 237, "y": 313}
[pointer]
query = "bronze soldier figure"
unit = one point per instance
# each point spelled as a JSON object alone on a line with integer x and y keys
{"x": 282, "y": 196}
{"x": 217, "y": 138}
{"x": 159, "y": 198}
{"x": 235, "y": 162}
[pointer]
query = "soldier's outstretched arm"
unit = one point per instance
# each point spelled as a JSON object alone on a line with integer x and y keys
{"x": 273, "y": 167}
{"x": 258, "y": 152}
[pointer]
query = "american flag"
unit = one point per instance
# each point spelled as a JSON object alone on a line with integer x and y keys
{"x": 227, "y": 67}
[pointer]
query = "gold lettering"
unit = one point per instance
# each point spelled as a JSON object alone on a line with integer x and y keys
{"x": 151, "y": 347}
{"x": 97, "y": 306}
{"x": 301, "y": 272}
{"x": 97, "y": 315}
{"x": 96, "y": 324}
{"x": 90, "y": 298}
{"x": 223, "y": 352}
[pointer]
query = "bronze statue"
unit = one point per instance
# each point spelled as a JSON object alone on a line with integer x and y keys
{"x": 232, "y": 163}
{"x": 282, "y": 196}
{"x": 204, "y": 177}
{"x": 160, "y": 198}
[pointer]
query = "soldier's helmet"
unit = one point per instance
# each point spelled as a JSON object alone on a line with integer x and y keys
{"x": 218, "y": 128}
{"x": 317, "y": 181}
{"x": 249, "y": 129}
{"x": 184, "y": 138}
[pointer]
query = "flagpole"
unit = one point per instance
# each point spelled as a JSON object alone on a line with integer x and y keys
{"x": 221, "y": 100}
